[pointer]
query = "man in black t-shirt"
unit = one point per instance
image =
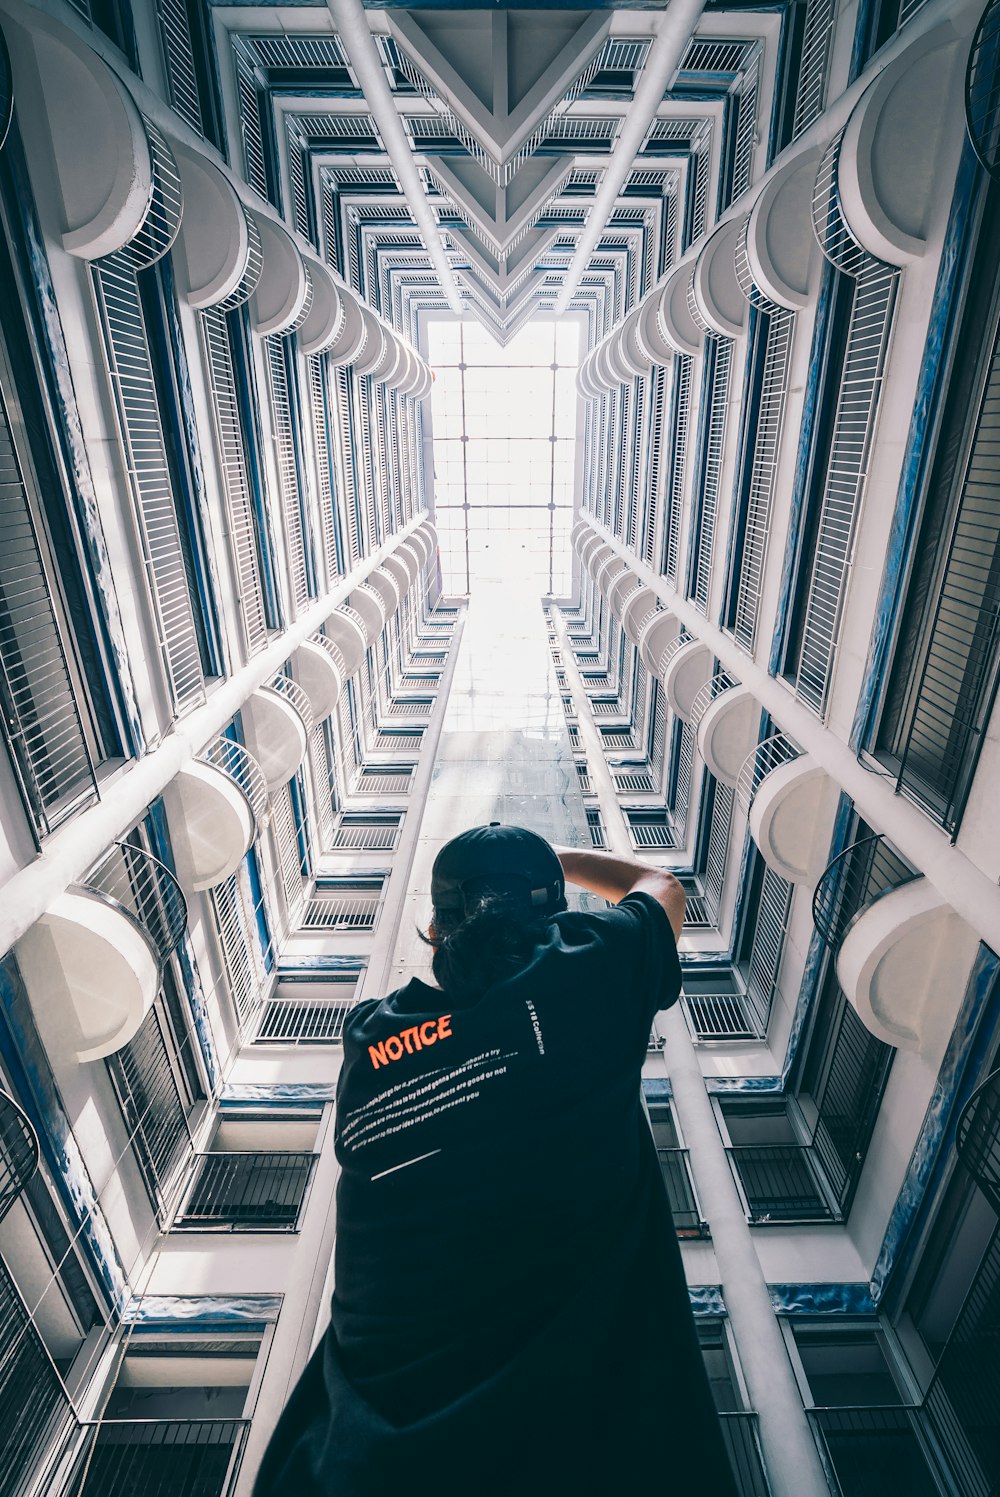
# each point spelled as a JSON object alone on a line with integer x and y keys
{"x": 510, "y": 1314}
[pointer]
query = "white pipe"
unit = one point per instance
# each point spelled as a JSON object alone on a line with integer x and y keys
{"x": 961, "y": 14}
{"x": 791, "y": 1459}
{"x": 69, "y": 852}
{"x": 676, "y": 29}
{"x": 969, "y": 891}
{"x": 352, "y": 24}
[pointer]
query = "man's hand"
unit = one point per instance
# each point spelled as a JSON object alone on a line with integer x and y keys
{"x": 612, "y": 877}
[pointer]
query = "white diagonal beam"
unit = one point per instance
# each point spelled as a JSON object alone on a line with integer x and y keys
{"x": 664, "y": 58}
{"x": 352, "y": 24}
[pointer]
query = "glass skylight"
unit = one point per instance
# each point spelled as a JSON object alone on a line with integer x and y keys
{"x": 504, "y": 422}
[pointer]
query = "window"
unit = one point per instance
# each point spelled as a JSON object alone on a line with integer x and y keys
{"x": 854, "y": 359}
{"x": 675, "y": 1170}
{"x": 345, "y": 903}
{"x": 774, "y": 1166}
{"x": 763, "y": 424}
{"x": 155, "y": 1100}
{"x": 504, "y": 422}
{"x": 55, "y": 705}
{"x": 186, "y": 40}
{"x": 290, "y": 1018}
{"x": 946, "y": 662}
{"x": 176, "y": 1417}
{"x": 861, "y": 1416}
{"x": 254, "y": 1175}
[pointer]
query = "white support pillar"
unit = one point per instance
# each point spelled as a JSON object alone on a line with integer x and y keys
{"x": 790, "y": 1455}
{"x": 676, "y": 29}
{"x": 927, "y": 846}
{"x": 352, "y": 24}
{"x": 75, "y": 847}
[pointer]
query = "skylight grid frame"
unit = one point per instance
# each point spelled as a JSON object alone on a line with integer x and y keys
{"x": 481, "y": 471}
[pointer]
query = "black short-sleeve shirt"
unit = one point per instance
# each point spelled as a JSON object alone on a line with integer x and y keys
{"x": 509, "y": 1302}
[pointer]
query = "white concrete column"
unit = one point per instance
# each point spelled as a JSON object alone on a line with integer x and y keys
{"x": 790, "y": 1454}
{"x": 924, "y": 844}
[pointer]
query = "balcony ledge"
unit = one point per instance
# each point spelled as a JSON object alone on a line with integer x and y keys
{"x": 87, "y": 961}
{"x": 276, "y": 735}
{"x": 685, "y": 675}
{"x": 319, "y": 676}
{"x": 728, "y": 731}
{"x": 659, "y": 632}
{"x": 791, "y": 819}
{"x": 904, "y": 964}
{"x": 212, "y": 825}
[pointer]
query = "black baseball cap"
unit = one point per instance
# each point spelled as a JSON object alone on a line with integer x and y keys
{"x": 495, "y": 859}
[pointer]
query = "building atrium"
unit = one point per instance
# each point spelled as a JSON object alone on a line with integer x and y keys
{"x": 418, "y": 415}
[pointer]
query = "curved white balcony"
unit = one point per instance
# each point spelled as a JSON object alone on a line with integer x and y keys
{"x": 781, "y": 247}
{"x": 325, "y": 317}
{"x": 658, "y": 633}
{"x": 276, "y": 722}
{"x": 604, "y": 372}
{"x": 92, "y": 963}
{"x": 395, "y": 567}
{"x": 608, "y": 573}
{"x": 904, "y": 963}
{"x": 321, "y": 671}
{"x": 409, "y": 558}
{"x": 687, "y": 671}
{"x": 345, "y": 629}
{"x": 580, "y": 530}
{"x": 352, "y": 334}
{"x": 727, "y": 726}
{"x": 631, "y": 352}
{"x": 382, "y": 582}
{"x": 716, "y": 289}
{"x": 588, "y": 547}
{"x": 373, "y": 354}
{"x": 622, "y": 587}
{"x": 99, "y": 148}
{"x": 216, "y": 806}
{"x": 370, "y": 609}
{"x": 214, "y": 242}
{"x": 422, "y": 544}
{"x": 636, "y": 610}
{"x": 791, "y": 818}
{"x": 679, "y": 328}
{"x": 284, "y": 285}
{"x": 649, "y": 335}
{"x": 887, "y": 174}
{"x": 598, "y": 557}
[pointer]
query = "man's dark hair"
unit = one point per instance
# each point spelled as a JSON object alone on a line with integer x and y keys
{"x": 474, "y": 951}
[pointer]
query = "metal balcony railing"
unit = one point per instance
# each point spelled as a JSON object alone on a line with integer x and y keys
{"x": 681, "y": 638}
{"x": 977, "y": 1138}
{"x": 36, "y": 1409}
{"x": 365, "y": 834}
{"x": 779, "y": 1182}
{"x": 742, "y": 1441}
{"x": 336, "y": 909}
{"x": 260, "y": 1192}
{"x": 653, "y": 833}
{"x": 18, "y": 1152}
{"x": 722, "y": 1016}
{"x": 233, "y": 760}
{"x": 722, "y": 681}
{"x": 305, "y": 1021}
{"x": 293, "y": 693}
{"x": 160, "y": 1457}
{"x": 769, "y": 754}
{"x": 868, "y": 1451}
{"x": 677, "y": 1177}
{"x": 147, "y": 891}
{"x": 378, "y": 779}
{"x": 857, "y": 877}
{"x": 982, "y": 90}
